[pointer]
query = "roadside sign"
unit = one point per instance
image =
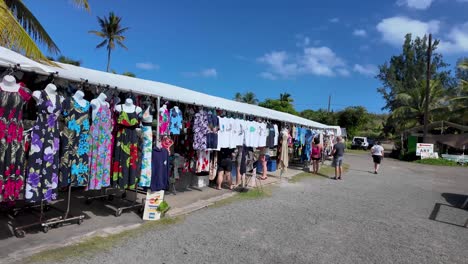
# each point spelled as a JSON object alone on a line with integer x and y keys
{"x": 153, "y": 200}
{"x": 424, "y": 148}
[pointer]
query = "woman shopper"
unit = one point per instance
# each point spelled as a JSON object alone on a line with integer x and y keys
{"x": 316, "y": 155}
{"x": 377, "y": 152}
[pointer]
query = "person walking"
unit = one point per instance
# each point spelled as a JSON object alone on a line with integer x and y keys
{"x": 316, "y": 155}
{"x": 377, "y": 152}
{"x": 338, "y": 153}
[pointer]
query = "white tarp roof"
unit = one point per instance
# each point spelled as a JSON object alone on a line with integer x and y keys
{"x": 167, "y": 91}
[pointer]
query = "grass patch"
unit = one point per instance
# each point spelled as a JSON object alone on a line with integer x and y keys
{"x": 251, "y": 194}
{"x": 356, "y": 151}
{"x": 437, "y": 162}
{"x": 325, "y": 172}
{"x": 94, "y": 245}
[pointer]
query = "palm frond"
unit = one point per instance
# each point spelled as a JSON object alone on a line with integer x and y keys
{"x": 82, "y": 3}
{"x": 102, "y": 44}
{"x": 97, "y": 33}
{"x": 17, "y": 37}
{"x": 31, "y": 25}
{"x": 122, "y": 45}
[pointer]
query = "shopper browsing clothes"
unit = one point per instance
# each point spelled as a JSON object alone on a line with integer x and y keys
{"x": 377, "y": 152}
{"x": 224, "y": 167}
{"x": 338, "y": 153}
{"x": 316, "y": 155}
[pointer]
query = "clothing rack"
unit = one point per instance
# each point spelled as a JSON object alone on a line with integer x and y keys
{"x": 44, "y": 222}
{"x": 118, "y": 210}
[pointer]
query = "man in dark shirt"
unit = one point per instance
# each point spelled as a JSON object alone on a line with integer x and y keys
{"x": 338, "y": 153}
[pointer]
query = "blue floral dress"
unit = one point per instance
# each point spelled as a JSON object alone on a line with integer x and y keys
{"x": 74, "y": 144}
{"x": 43, "y": 161}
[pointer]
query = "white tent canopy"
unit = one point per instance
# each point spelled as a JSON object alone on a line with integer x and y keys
{"x": 146, "y": 87}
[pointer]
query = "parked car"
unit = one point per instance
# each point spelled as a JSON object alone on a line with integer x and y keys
{"x": 360, "y": 143}
{"x": 371, "y": 143}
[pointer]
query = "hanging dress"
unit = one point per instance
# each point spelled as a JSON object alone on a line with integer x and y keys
{"x": 164, "y": 121}
{"x": 145, "y": 177}
{"x": 74, "y": 144}
{"x": 44, "y": 160}
{"x": 125, "y": 167}
{"x": 284, "y": 157}
{"x": 11, "y": 143}
{"x": 100, "y": 146}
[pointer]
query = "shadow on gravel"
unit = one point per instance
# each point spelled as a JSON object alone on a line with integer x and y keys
{"x": 456, "y": 201}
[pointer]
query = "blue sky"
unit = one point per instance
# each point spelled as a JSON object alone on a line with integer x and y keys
{"x": 310, "y": 49}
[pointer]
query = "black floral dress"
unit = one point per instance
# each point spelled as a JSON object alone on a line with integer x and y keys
{"x": 44, "y": 160}
{"x": 125, "y": 171}
{"x": 74, "y": 144}
{"x": 11, "y": 143}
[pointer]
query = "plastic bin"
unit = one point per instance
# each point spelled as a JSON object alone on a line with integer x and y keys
{"x": 271, "y": 165}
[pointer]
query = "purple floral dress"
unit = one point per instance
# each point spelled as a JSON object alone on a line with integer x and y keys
{"x": 44, "y": 160}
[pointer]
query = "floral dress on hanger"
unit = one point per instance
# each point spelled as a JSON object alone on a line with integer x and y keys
{"x": 74, "y": 144}
{"x": 44, "y": 160}
{"x": 145, "y": 178}
{"x": 11, "y": 139}
{"x": 100, "y": 144}
{"x": 125, "y": 167}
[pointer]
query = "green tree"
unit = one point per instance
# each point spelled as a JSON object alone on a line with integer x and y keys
{"x": 249, "y": 98}
{"x": 321, "y": 116}
{"x": 459, "y": 100}
{"x": 404, "y": 77}
{"x": 112, "y": 33}
{"x": 20, "y": 30}
{"x": 353, "y": 118}
{"x": 129, "y": 74}
{"x": 283, "y": 104}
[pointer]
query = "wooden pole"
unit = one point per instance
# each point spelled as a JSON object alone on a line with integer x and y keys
{"x": 329, "y": 102}
{"x": 428, "y": 86}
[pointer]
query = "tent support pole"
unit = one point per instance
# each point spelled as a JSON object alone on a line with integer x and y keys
{"x": 158, "y": 105}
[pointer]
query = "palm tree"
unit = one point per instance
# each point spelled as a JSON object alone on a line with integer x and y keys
{"x": 21, "y": 31}
{"x": 111, "y": 32}
{"x": 412, "y": 101}
{"x": 238, "y": 97}
{"x": 285, "y": 97}
{"x": 249, "y": 98}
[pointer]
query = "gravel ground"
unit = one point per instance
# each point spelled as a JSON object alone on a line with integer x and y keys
{"x": 364, "y": 218}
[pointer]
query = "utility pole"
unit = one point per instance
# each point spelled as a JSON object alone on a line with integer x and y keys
{"x": 329, "y": 101}
{"x": 428, "y": 87}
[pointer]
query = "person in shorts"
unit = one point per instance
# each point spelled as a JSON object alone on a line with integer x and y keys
{"x": 377, "y": 152}
{"x": 338, "y": 153}
{"x": 225, "y": 156}
{"x": 316, "y": 154}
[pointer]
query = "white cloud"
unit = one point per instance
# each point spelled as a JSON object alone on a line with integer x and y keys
{"x": 302, "y": 41}
{"x": 360, "y": 32}
{"x": 206, "y": 73}
{"x": 321, "y": 61}
{"x": 343, "y": 72}
{"x": 457, "y": 40}
{"x": 268, "y": 75}
{"x": 394, "y": 29}
{"x": 334, "y": 20}
{"x": 147, "y": 66}
{"x": 368, "y": 69}
{"x": 416, "y": 4}
{"x": 209, "y": 73}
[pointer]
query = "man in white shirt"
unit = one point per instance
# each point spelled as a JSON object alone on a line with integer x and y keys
{"x": 377, "y": 152}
